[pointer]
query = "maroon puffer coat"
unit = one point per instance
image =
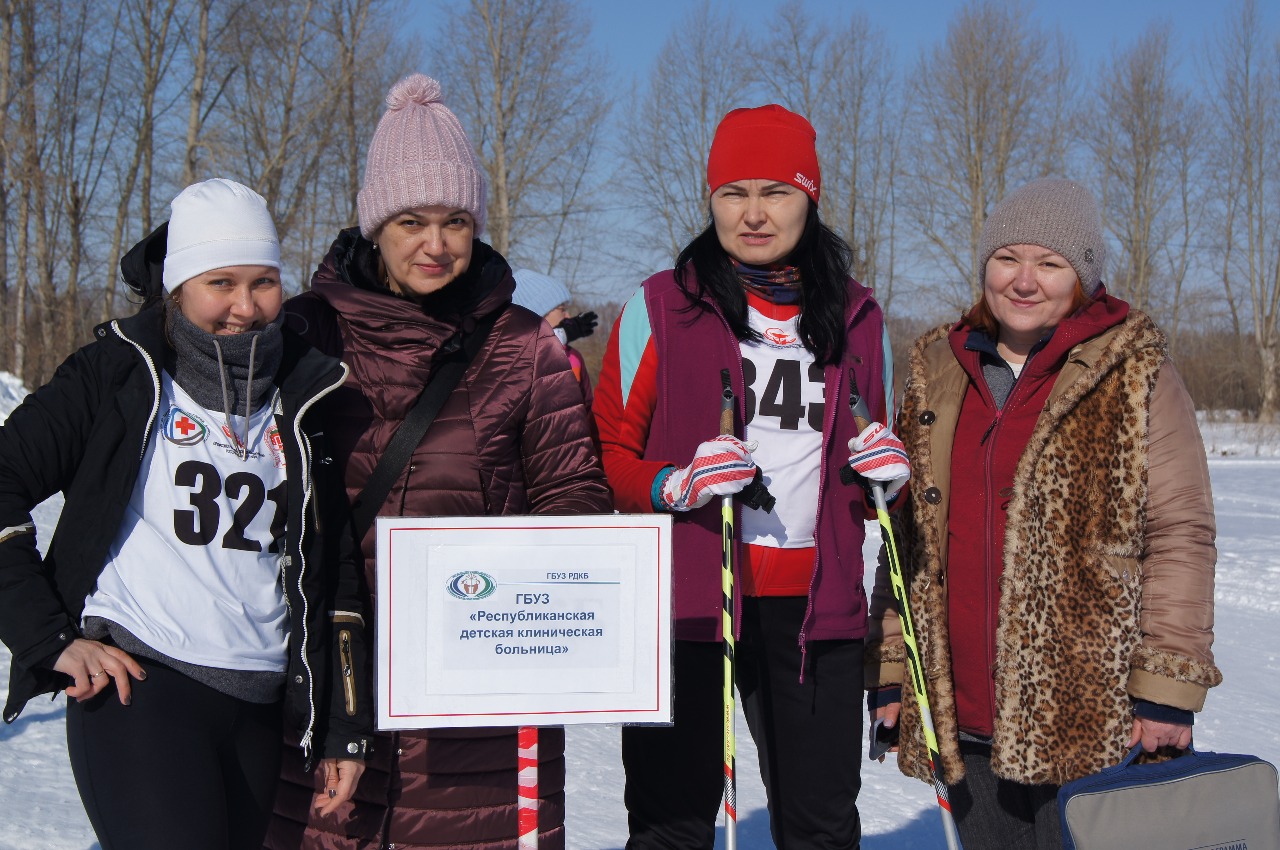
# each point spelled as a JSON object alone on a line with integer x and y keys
{"x": 512, "y": 439}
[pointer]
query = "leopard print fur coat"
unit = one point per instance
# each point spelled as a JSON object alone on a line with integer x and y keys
{"x": 1074, "y": 643}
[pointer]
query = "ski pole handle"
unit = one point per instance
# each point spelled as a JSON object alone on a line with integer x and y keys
{"x": 861, "y": 420}
{"x": 755, "y": 495}
{"x": 726, "y": 403}
{"x": 858, "y": 404}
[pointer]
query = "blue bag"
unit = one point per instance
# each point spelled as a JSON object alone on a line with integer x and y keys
{"x": 1198, "y": 801}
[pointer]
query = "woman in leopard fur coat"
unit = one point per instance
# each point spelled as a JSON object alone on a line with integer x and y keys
{"x": 1059, "y": 542}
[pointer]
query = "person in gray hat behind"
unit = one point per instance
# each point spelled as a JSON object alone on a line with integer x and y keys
{"x": 1059, "y": 537}
{"x": 549, "y": 298}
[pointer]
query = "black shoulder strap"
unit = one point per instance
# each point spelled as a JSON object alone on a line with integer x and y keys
{"x": 414, "y": 427}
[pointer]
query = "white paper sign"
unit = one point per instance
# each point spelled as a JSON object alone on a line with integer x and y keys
{"x": 532, "y": 621}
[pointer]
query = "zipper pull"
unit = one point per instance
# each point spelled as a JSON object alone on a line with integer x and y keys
{"x": 348, "y": 672}
{"x": 990, "y": 428}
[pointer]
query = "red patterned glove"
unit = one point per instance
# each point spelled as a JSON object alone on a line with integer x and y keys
{"x": 878, "y": 455}
{"x": 721, "y": 467}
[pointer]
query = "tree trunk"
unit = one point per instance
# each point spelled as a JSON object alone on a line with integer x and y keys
{"x": 195, "y": 101}
{"x": 1269, "y": 383}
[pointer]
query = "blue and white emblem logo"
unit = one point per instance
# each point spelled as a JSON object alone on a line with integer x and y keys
{"x": 472, "y": 585}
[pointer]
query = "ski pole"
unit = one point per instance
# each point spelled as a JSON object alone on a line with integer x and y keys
{"x": 862, "y": 418}
{"x": 727, "y": 536}
{"x": 527, "y": 785}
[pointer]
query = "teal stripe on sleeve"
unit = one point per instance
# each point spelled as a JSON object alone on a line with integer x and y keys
{"x": 890, "y": 402}
{"x": 633, "y": 336}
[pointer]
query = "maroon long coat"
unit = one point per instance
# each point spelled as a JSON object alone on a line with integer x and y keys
{"x": 513, "y": 438}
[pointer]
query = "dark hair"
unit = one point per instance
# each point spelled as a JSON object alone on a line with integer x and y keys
{"x": 823, "y": 259}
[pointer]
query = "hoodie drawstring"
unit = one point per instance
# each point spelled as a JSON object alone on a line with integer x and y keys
{"x": 242, "y": 448}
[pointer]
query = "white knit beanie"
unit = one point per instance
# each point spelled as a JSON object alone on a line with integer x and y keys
{"x": 215, "y": 224}
{"x": 537, "y": 292}
{"x": 419, "y": 156}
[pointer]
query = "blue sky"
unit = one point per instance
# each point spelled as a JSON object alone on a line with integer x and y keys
{"x": 631, "y": 33}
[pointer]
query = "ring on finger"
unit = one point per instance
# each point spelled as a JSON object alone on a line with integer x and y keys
{"x": 99, "y": 673}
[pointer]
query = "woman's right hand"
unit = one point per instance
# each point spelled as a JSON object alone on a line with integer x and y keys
{"x": 722, "y": 466}
{"x": 92, "y": 665}
{"x": 889, "y": 714}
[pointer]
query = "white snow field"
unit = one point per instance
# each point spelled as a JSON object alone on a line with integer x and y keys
{"x": 41, "y": 810}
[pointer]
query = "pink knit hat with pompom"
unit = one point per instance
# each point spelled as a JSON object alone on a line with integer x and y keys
{"x": 419, "y": 157}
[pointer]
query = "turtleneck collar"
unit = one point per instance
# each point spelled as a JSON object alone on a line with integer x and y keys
{"x": 230, "y": 372}
{"x": 778, "y": 283}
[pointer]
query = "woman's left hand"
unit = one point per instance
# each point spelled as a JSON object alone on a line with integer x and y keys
{"x": 1155, "y": 734}
{"x": 340, "y": 778}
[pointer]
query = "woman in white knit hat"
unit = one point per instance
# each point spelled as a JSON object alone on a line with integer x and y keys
{"x": 187, "y": 602}
{"x": 1060, "y": 532}
{"x": 414, "y": 287}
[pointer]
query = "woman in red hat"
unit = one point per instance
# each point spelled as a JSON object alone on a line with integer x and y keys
{"x": 764, "y": 293}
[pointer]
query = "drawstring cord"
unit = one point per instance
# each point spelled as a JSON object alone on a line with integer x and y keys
{"x": 242, "y": 449}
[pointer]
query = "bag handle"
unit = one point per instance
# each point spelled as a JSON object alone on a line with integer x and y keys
{"x": 1136, "y": 751}
{"x": 395, "y": 457}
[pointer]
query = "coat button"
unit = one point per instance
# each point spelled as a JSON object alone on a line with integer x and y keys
{"x": 297, "y": 680}
{"x": 933, "y": 495}
{"x": 62, "y": 636}
{"x": 927, "y": 418}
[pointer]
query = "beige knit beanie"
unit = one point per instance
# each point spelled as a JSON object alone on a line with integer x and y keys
{"x": 1055, "y": 213}
{"x": 419, "y": 156}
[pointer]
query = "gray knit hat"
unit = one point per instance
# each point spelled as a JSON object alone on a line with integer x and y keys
{"x": 419, "y": 157}
{"x": 1055, "y": 213}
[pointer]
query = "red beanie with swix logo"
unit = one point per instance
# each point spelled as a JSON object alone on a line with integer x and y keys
{"x": 766, "y": 143}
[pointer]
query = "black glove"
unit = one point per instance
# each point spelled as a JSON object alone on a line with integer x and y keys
{"x": 576, "y": 327}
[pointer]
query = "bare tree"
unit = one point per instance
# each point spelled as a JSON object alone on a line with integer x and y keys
{"x": 1188, "y": 137}
{"x": 30, "y": 181}
{"x": 83, "y": 131}
{"x": 295, "y": 128}
{"x": 147, "y": 22}
{"x": 1140, "y": 131}
{"x": 209, "y": 66}
{"x": 1246, "y": 101}
{"x": 531, "y": 96}
{"x": 841, "y": 79}
{"x": 8, "y": 21}
{"x": 105, "y": 107}
{"x": 695, "y": 81}
{"x": 990, "y": 101}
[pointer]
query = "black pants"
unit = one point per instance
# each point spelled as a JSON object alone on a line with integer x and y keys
{"x": 809, "y": 737}
{"x": 993, "y": 813}
{"x": 182, "y": 766}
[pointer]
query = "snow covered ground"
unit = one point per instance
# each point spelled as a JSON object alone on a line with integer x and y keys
{"x": 41, "y": 809}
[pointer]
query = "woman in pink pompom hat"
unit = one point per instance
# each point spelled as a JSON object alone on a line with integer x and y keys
{"x": 394, "y": 298}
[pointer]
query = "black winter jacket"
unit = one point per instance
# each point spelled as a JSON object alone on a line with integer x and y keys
{"x": 85, "y": 433}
